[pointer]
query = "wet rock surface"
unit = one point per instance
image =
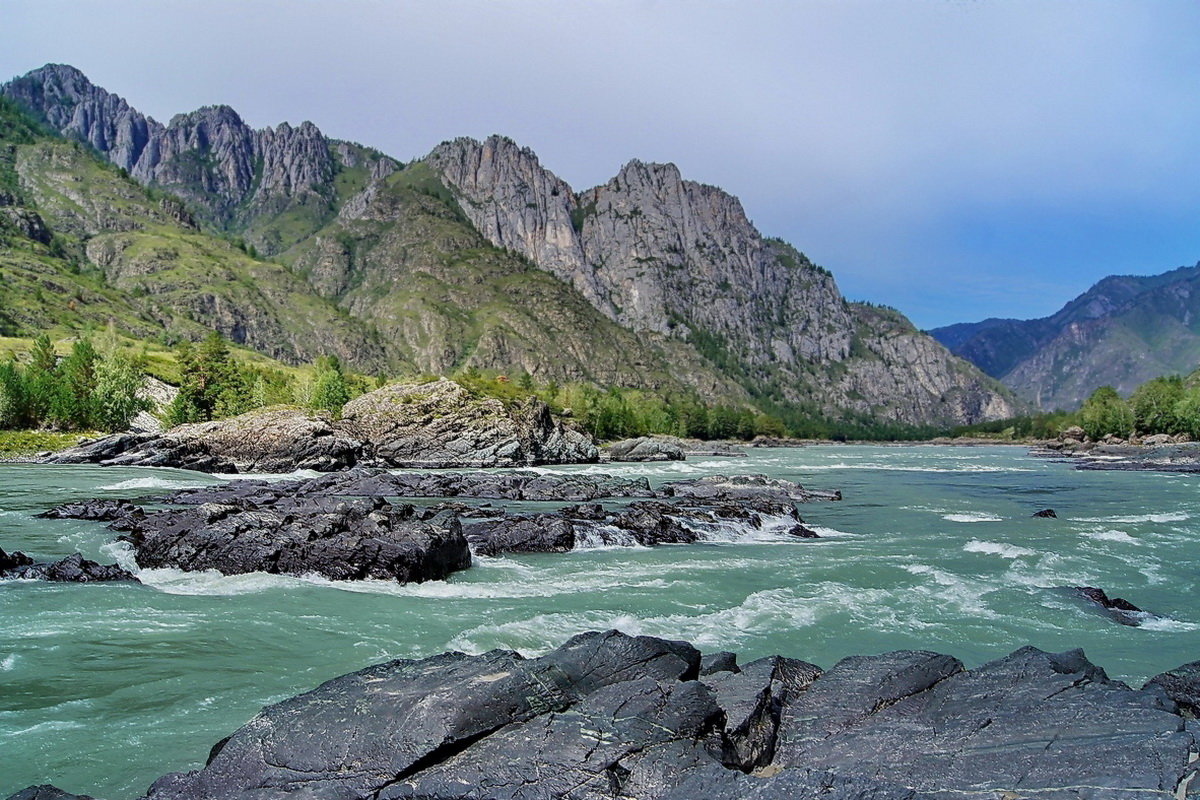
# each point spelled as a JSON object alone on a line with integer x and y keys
{"x": 342, "y": 525}
{"x": 72, "y": 569}
{"x": 1182, "y": 685}
{"x": 613, "y": 716}
{"x": 340, "y": 539}
{"x": 1116, "y": 608}
{"x": 1175, "y": 457}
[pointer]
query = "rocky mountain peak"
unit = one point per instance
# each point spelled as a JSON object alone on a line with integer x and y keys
{"x": 209, "y": 156}
{"x": 70, "y": 103}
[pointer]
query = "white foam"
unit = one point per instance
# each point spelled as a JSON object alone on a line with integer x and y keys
{"x": 1170, "y": 516}
{"x": 1167, "y": 625}
{"x": 964, "y": 593}
{"x": 146, "y": 483}
{"x": 971, "y": 516}
{"x": 49, "y": 725}
{"x": 8, "y": 662}
{"x": 831, "y": 533}
{"x": 997, "y": 549}
{"x": 1111, "y": 535}
{"x": 760, "y": 612}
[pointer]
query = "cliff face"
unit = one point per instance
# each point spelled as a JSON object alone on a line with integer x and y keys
{"x": 660, "y": 254}
{"x": 479, "y": 256}
{"x": 1121, "y": 332}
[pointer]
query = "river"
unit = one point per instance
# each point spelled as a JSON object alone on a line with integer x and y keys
{"x": 105, "y": 687}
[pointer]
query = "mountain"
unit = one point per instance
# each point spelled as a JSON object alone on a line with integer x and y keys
{"x": 1121, "y": 332}
{"x": 475, "y": 256}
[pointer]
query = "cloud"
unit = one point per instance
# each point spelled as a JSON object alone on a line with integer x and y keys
{"x": 915, "y": 148}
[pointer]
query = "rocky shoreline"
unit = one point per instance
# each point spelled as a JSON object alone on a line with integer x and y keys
{"x": 608, "y": 715}
{"x": 1159, "y": 453}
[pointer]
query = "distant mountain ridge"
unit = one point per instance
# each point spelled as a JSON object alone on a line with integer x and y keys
{"x": 477, "y": 256}
{"x": 1123, "y": 331}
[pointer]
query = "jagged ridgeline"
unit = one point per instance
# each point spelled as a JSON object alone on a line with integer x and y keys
{"x": 475, "y": 256}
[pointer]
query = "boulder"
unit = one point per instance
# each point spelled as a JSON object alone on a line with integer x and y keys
{"x": 338, "y": 539}
{"x": 724, "y": 661}
{"x": 47, "y": 792}
{"x": 1182, "y": 685}
{"x": 260, "y": 441}
{"x": 1032, "y": 724}
{"x": 1072, "y": 434}
{"x": 72, "y": 569}
{"x": 538, "y": 533}
{"x": 645, "y": 448}
{"x": 1046, "y": 513}
{"x": 1157, "y": 439}
{"x": 382, "y": 728}
{"x": 441, "y": 424}
{"x": 92, "y": 510}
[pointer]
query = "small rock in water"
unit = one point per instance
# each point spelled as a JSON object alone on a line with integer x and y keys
{"x": 1119, "y": 608}
{"x": 72, "y": 569}
{"x": 1046, "y": 512}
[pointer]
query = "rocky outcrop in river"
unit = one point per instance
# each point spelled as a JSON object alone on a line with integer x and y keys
{"x": 613, "y": 716}
{"x": 433, "y": 425}
{"x": 441, "y": 424}
{"x": 351, "y": 539}
{"x": 260, "y": 441}
{"x": 343, "y": 527}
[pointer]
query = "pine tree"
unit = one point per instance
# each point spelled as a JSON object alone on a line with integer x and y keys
{"x": 41, "y": 381}
{"x": 74, "y": 402}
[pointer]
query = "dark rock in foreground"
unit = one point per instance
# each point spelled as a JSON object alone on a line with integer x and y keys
{"x": 72, "y": 569}
{"x": 338, "y": 539}
{"x": 1046, "y": 513}
{"x": 1182, "y": 685}
{"x": 47, "y": 792}
{"x": 612, "y": 716}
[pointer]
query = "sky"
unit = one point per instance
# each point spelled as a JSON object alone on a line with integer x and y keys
{"x": 956, "y": 159}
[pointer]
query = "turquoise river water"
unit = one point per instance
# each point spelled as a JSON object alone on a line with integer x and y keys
{"x": 105, "y": 687}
